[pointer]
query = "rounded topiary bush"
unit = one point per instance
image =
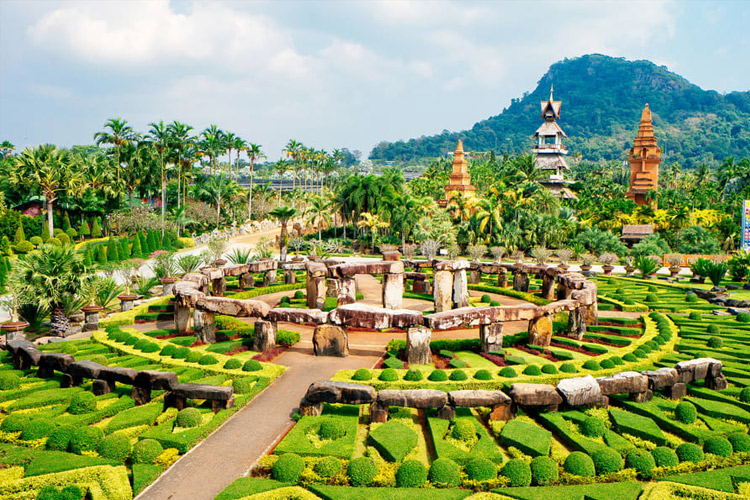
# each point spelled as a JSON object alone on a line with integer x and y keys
{"x": 483, "y": 375}
{"x": 652, "y": 288}
{"x": 743, "y": 318}
{"x": 481, "y": 469}
{"x": 328, "y": 467}
{"x": 411, "y": 474}
{"x": 445, "y": 473}
{"x": 640, "y": 460}
{"x": 233, "y": 364}
{"x": 713, "y": 329}
{"x": 69, "y": 348}
{"x": 579, "y": 464}
{"x": 251, "y": 366}
{"x": 606, "y": 461}
{"x": 617, "y": 360}
{"x": 593, "y": 427}
{"x": 115, "y": 447}
{"x": 299, "y": 294}
{"x": 740, "y": 442}
{"x": 745, "y": 395}
{"x": 486, "y": 299}
{"x": 438, "y": 376}
{"x": 181, "y": 353}
{"x": 665, "y": 456}
{"x": 463, "y": 430}
{"x": 689, "y": 452}
{"x": 518, "y": 472}
{"x": 549, "y": 369}
{"x": 507, "y": 372}
{"x": 715, "y": 343}
{"x": 652, "y": 297}
{"x": 544, "y": 471}
{"x": 362, "y": 374}
{"x": 36, "y": 241}
{"x": 86, "y": 438}
{"x": 288, "y": 468}
{"x": 685, "y": 412}
{"x": 495, "y": 303}
{"x": 458, "y": 375}
{"x": 695, "y": 316}
{"x": 102, "y": 359}
{"x": 532, "y": 370}
{"x": 9, "y": 381}
{"x": 189, "y": 417}
{"x": 168, "y": 350}
{"x": 48, "y": 492}
{"x": 140, "y": 344}
{"x": 629, "y": 357}
{"x": 146, "y": 451}
{"x": 331, "y": 428}
{"x": 606, "y": 364}
{"x": 59, "y": 439}
{"x": 70, "y": 492}
{"x": 207, "y": 360}
{"x": 361, "y": 471}
{"x": 568, "y": 367}
{"x": 82, "y": 402}
{"x": 37, "y": 429}
{"x": 717, "y": 445}
{"x": 592, "y": 364}
{"x": 413, "y": 376}
{"x": 645, "y": 348}
{"x": 691, "y": 297}
{"x": 388, "y": 375}
{"x": 243, "y": 385}
{"x": 194, "y": 356}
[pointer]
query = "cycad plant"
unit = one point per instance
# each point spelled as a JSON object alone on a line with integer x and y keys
{"x": 647, "y": 265}
{"x": 240, "y": 256}
{"x": 189, "y": 263}
{"x": 717, "y": 271}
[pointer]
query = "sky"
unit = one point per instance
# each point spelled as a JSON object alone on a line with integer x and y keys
{"x": 330, "y": 74}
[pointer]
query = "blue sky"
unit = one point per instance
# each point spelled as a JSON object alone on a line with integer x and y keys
{"x": 328, "y": 73}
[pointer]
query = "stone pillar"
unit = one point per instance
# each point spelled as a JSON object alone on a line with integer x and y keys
{"x": 393, "y": 290}
{"x": 460, "y": 289}
{"x": 91, "y": 318}
{"x": 316, "y": 285}
{"x": 204, "y": 327}
{"x": 347, "y": 291}
{"x": 548, "y": 286}
{"x": 330, "y": 340}
{"x": 126, "y": 302}
{"x": 264, "y": 338}
{"x": 576, "y": 323}
{"x": 219, "y": 287}
{"x": 269, "y": 278}
{"x": 442, "y": 292}
{"x": 332, "y": 287}
{"x": 289, "y": 277}
{"x": 520, "y": 281}
{"x": 446, "y": 412}
{"x": 247, "y": 280}
{"x": 501, "y": 412}
{"x": 540, "y": 331}
{"x": 491, "y": 337}
{"x": 418, "y": 345}
{"x": 307, "y": 409}
{"x": 502, "y": 279}
{"x": 475, "y": 276}
{"x": 591, "y": 314}
{"x": 182, "y": 318}
{"x": 563, "y": 292}
{"x": 378, "y": 413}
{"x": 100, "y": 387}
{"x": 420, "y": 286}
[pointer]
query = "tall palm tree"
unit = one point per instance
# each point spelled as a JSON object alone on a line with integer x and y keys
{"x": 405, "y": 213}
{"x": 254, "y": 153}
{"x": 117, "y": 133}
{"x": 181, "y": 141}
{"x": 293, "y": 151}
{"x": 281, "y": 167}
{"x": 283, "y": 215}
{"x": 490, "y": 216}
{"x": 212, "y": 144}
{"x": 218, "y": 189}
{"x": 319, "y": 211}
{"x": 239, "y": 144}
{"x": 160, "y": 137}
{"x": 49, "y": 170}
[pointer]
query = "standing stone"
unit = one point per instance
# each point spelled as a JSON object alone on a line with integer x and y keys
{"x": 576, "y": 323}
{"x": 677, "y": 391}
{"x": 521, "y": 281}
{"x": 501, "y": 412}
{"x": 446, "y": 412}
{"x": 563, "y": 292}
{"x": 204, "y": 327}
{"x": 330, "y": 340}
{"x": 100, "y": 387}
{"x": 418, "y": 345}
{"x": 247, "y": 280}
{"x": 442, "y": 292}
{"x": 548, "y": 286}
{"x": 269, "y": 278}
{"x": 475, "y": 276}
{"x": 264, "y": 337}
{"x": 316, "y": 292}
{"x": 378, "y": 413}
{"x": 421, "y": 286}
{"x": 491, "y": 337}
{"x": 502, "y": 279}
{"x": 392, "y": 255}
{"x": 127, "y": 304}
{"x": 347, "y": 291}
{"x": 307, "y": 409}
{"x": 332, "y": 287}
{"x": 540, "y": 331}
{"x": 289, "y": 277}
{"x": 182, "y": 318}
{"x": 460, "y": 289}
{"x": 219, "y": 287}
{"x": 580, "y": 391}
{"x": 393, "y": 290}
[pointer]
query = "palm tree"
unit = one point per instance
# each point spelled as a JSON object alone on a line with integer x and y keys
{"x": 160, "y": 136}
{"x": 373, "y": 223}
{"x": 118, "y": 133}
{"x": 212, "y": 144}
{"x": 239, "y": 144}
{"x": 490, "y": 216}
{"x": 292, "y": 151}
{"x": 283, "y": 215}
{"x": 51, "y": 277}
{"x": 49, "y": 170}
{"x": 319, "y": 211}
{"x": 281, "y": 167}
{"x": 405, "y": 213}
{"x": 181, "y": 141}
{"x": 254, "y": 154}
{"x": 218, "y": 189}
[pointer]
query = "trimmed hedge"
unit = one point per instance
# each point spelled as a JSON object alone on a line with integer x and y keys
{"x": 411, "y": 474}
{"x": 529, "y": 438}
{"x": 288, "y": 468}
{"x": 518, "y": 472}
{"x": 579, "y": 464}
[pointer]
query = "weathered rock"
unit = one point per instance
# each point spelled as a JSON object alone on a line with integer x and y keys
{"x": 520, "y": 281}
{"x": 12, "y": 346}
{"x": 580, "y": 391}
{"x": 269, "y": 277}
{"x": 346, "y": 292}
{"x": 413, "y": 398}
{"x": 204, "y": 326}
{"x": 233, "y": 307}
{"x": 350, "y": 269}
{"x": 491, "y": 337}
{"x": 540, "y": 331}
{"x": 340, "y": 392}
{"x": 289, "y": 277}
{"x": 378, "y": 413}
{"x": 451, "y": 265}
{"x": 442, "y": 292}
{"x": 236, "y": 270}
{"x": 80, "y": 370}
{"x": 418, "y": 345}
{"x": 156, "y": 380}
{"x": 112, "y": 374}
{"x": 460, "y": 289}
{"x": 393, "y": 290}
{"x": 330, "y": 340}
{"x": 502, "y": 412}
{"x": 366, "y": 316}
{"x": 548, "y": 286}
{"x": 716, "y": 382}
{"x": 697, "y": 369}
{"x": 300, "y": 316}
{"x": 502, "y": 279}
{"x": 480, "y": 316}
{"x": 264, "y": 336}
{"x": 307, "y": 409}
{"x": 623, "y": 383}
{"x": 421, "y": 286}
{"x": 100, "y": 387}
{"x": 577, "y": 323}
{"x": 676, "y": 391}
{"x": 392, "y": 255}
{"x": 219, "y": 287}
{"x": 247, "y": 280}
{"x": 203, "y": 391}
{"x": 663, "y": 377}
{"x": 642, "y": 397}
{"x": 182, "y": 318}
{"x": 212, "y": 273}
{"x": 535, "y": 395}
{"x": 53, "y": 361}
{"x": 446, "y": 412}
{"x": 263, "y": 266}
{"x": 477, "y": 398}
{"x": 316, "y": 291}
{"x": 475, "y": 276}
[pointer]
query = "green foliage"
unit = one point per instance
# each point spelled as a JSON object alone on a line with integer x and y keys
{"x": 458, "y": 375}
{"x": 579, "y": 464}
{"x": 331, "y": 428}
{"x": 445, "y": 473}
{"x": 593, "y": 427}
{"x": 115, "y": 447}
{"x": 685, "y": 412}
{"x": 233, "y": 364}
{"x": 288, "y": 468}
{"x": 144, "y": 475}
{"x": 743, "y": 318}
{"x": 438, "y": 375}
{"x": 328, "y": 467}
{"x": 518, "y": 472}
{"x": 413, "y": 375}
{"x": 146, "y": 451}
{"x": 8, "y": 381}
{"x": 745, "y": 395}
{"x": 207, "y": 360}
{"x": 544, "y": 471}
{"x": 393, "y": 440}
{"x": 690, "y": 452}
{"x": 607, "y": 461}
{"x": 96, "y": 230}
{"x": 252, "y": 366}
{"x": 463, "y": 430}
{"x": 665, "y": 457}
{"x": 37, "y": 429}
{"x": 411, "y": 474}
{"x": 388, "y": 375}
{"x": 568, "y": 368}
{"x": 715, "y": 343}
{"x": 532, "y": 370}
{"x": 361, "y": 471}
{"x": 640, "y": 460}
{"x": 86, "y": 438}
{"x": 592, "y": 365}
{"x": 530, "y": 439}
{"x": 189, "y": 417}
{"x": 549, "y": 369}
{"x": 84, "y": 230}
{"x": 482, "y": 469}
{"x": 740, "y": 442}
{"x": 59, "y": 439}
{"x": 697, "y": 240}
{"x": 718, "y": 446}
{"x": 82, "y": 402}
{"x": 507, "y": 372}
{"x": 483, "y": 375}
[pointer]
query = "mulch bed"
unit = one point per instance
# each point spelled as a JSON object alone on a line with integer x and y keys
{"x": 498, "y": 360}
{"x": 269, "y": 355}
{"x": 546, "y": 355}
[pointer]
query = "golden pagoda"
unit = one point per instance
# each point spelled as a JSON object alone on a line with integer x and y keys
{"x": 644, "y": 159}
{"x": 460, "y": 180}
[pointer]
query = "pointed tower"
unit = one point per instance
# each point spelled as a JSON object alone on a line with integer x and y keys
{"x": 460, "y": 180}
{"x": 645, "y": 157}
{"x": 550, "y": 151}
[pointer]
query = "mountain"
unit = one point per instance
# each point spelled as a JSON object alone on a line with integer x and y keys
{"x": 602, "y": 99}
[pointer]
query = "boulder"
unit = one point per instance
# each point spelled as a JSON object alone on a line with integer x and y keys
{"x": 330, "y": 340}
{"x": 460, "y": 289}
{"x": 418, "y": 345}
{"x": 12, "y": 346}
{"x": 264, "y": 336}
{"x": 540, "y": 331}
{"x": 520, "y": 281}
{"x": 366, "y": 316}
{"x": 50, "y": 362}
{"x": 491, "y": 337}
{"x": 316, "y": 269}
{"x": 262, "y": 266}
{"x": 340, "y": 392}
{"x": 716, "y": 382}
{"x": 477, "y": 398}
{"x": 233, "y": 307}
{"x": 393, "y": 290}
{"x": 212, "y": 273}
{"x": 300, "y": 316}
{"x": 392, "y": 255}
{"x": 378, "y": 413}
{"x": 348, "y": 270}
{"x": 80, "y": 370}
{"x": 203, "y": 391}
{"x": 236, "y": 270}
{"x": 153, "y": 379}
{"x": 676, "y": 391}
{"x": 413, "y": 398}
{"x": 28, "y": 356}
{"x": 204, "y": 326}
{"x": 530, "y": 395}
{"x": 623, "y": 383}
{"x": 580, "y": 391}
{"x": 663, "y": 377}
{"x": 269, "y": 277}
{"x": 697, "y": 369}
{"x": 316, "y": 291}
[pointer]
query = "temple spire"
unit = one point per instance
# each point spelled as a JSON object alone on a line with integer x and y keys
{"x": 644, "y": 158}
{"x": 551, "y": 90}
{"x": 460, "y": 180}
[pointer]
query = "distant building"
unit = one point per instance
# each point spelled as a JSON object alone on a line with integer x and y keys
{"x": 633, "y": 233}
{"x": 460, "y": 180}
{"x": 550, "y": 151}
{"x": 645, "y": 157}
{"x": 31, "y": 207}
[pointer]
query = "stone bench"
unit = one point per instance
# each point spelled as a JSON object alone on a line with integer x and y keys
{"x": 632, "y": 383}
{"x": 299, "y": 316}
{"x": 412, "y": 398}
{"x": 110, "y": 375}
{"x": 80, "y": 370}
{"x": 335, "y": 392}
{"x": 23, "y": 353}
{"x": 708, "y": 369}
{"x": 378, "y": 318}
{"x": 221, "y": 397}
{"x": 148, "y": 380}
{"x": 50, "y": 362}
{"x": 667, "y": 379}
{"x": 581, "y": 391}
{"x": 498, "y": 401}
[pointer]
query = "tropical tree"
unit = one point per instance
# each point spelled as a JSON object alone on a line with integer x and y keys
{"x": 372, "y": 223}
{"x": 212, "y": 144}
{"x": 180, "y": 139}
{"x": 319, "y": 212}
{"x": 218, "y": 189}
{"x": 254, "y": 153}
{"x": 48, "y": 170}
{"x": 490, "y": 217}
{"x": 283, "y": 215}
{"x": 116, "y": 133}
{"x": 293, "y": 151}
{"x": 160, "y": 136}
